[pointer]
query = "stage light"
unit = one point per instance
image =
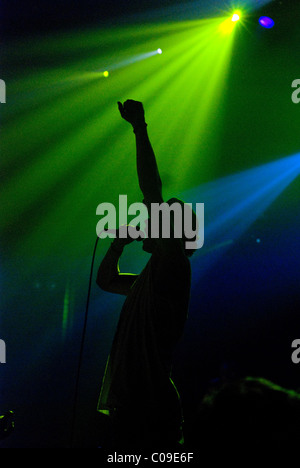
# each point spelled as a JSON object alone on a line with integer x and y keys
{"x": 266, "y": 22}
{"x": 227, "y": 26}
{"x": 235, "y": 17}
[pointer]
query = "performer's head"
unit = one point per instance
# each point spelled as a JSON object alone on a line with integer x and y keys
{"x": 173, "y": 216}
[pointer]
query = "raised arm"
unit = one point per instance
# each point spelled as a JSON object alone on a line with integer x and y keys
{"x": 148, "y": 174}
{"x": 147, "y": 170}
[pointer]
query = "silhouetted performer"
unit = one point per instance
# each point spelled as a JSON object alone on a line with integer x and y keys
{"x": 137, "y": 391}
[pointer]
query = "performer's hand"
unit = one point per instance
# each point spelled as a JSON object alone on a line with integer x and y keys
{"x": 133, "y": 112}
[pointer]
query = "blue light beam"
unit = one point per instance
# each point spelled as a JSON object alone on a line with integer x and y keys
{"x": 233, "y": 203}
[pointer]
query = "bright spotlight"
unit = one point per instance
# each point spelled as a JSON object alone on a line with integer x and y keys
{"x": 266, "y": 22}
{"x": 235, "y": 17}
{"x": 227, "y": 26}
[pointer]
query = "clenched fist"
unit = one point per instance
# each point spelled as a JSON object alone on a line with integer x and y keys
{"x": 133, "y": 112}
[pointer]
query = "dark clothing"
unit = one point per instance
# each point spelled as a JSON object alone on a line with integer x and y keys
{"x": 137, "y": 389}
